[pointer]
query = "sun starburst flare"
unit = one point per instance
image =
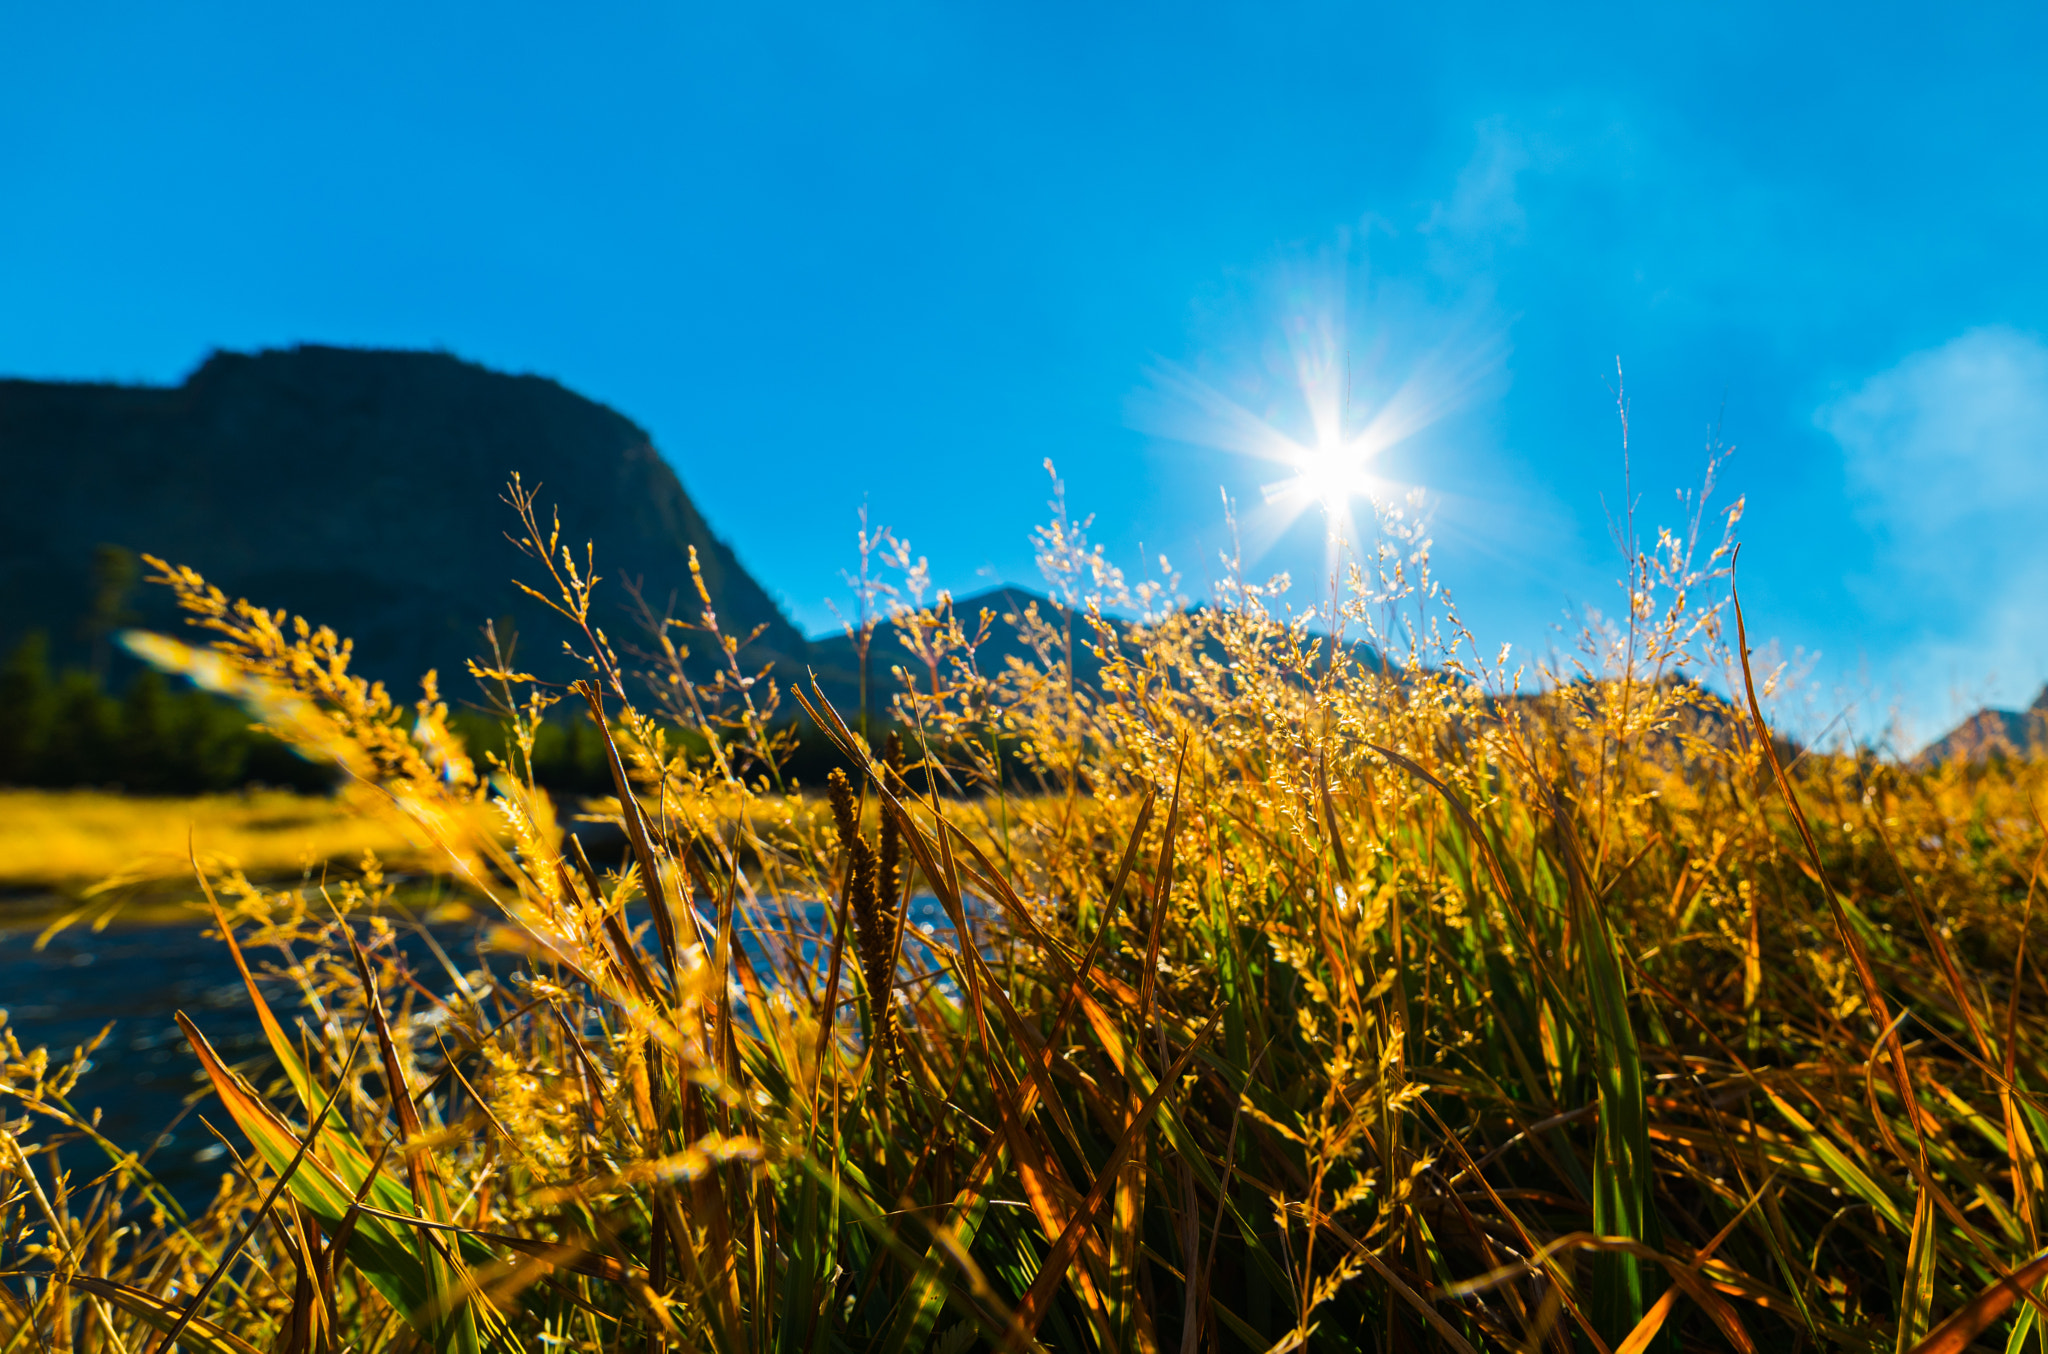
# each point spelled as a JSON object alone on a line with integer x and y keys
{"x": 1333, "y": 442}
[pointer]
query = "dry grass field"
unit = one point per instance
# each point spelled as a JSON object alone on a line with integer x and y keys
{"x": 66, "y": 841}
{"x": 1294, "y": 1002}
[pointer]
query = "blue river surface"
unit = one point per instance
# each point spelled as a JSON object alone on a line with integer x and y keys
{"x": 142, "y": 1077}
{"x": 136, "y": 977}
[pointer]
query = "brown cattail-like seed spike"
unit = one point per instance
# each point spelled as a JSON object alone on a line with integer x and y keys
{"x": 873, "y": 933}
{"x": 889, "y": 896}
{"x": 839, "y": 794}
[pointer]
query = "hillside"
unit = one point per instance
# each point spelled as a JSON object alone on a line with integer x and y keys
{"x": 363, "y": 490}
{"x": 360, "y": 488}
{"x": 1993, "y": 733}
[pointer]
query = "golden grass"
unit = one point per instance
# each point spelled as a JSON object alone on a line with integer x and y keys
{"x": 1303, "y": 1004}
{"x": 68, "y": 840}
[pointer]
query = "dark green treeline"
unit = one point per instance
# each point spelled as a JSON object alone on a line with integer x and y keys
{"x": 69, "y": 731}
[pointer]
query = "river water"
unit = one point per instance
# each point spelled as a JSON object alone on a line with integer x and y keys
{"x": 136, "y": 977}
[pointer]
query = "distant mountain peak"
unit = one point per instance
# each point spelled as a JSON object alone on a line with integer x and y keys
{"x": 1993, "y": 733}
{"x": 359, "y": 487}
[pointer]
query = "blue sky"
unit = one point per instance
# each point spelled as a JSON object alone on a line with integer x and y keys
{"x": 902, "y": 254}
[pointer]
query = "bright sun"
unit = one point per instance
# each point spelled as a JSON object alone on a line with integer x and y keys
{"x": 1328, "y": 438}
{"x": 1330, "y": 475}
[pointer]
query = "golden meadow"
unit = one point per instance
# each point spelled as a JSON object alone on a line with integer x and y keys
{"x": 1278, "y": 998}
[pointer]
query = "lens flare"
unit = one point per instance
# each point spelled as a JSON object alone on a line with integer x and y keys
{"x": 1332, "y": 433}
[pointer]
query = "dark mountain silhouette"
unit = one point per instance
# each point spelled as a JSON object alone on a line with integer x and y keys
{"x": 836, "y": 659}
{"x": 361, "y": 489}
{"x": 1993, "y": 733}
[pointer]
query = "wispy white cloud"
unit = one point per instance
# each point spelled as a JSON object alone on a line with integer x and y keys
{"x": 1946, "y": 460}
{"x": 1483, "y": 212}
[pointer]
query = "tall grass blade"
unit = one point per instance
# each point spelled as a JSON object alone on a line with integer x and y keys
{"x": 175, "y": 1323}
